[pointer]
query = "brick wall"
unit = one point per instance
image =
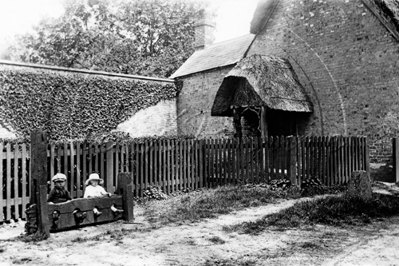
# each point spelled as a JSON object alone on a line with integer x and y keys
{"x": 194, "y": 104}
{"x": 347, "y": 61}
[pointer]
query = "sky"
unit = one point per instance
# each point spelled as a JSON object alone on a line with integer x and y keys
{"x": 18, "y": 16}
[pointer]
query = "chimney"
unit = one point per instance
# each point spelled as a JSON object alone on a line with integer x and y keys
{"x": 204, "y": 30}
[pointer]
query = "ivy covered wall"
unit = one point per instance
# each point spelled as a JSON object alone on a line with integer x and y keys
{"x": 73, "y": 105}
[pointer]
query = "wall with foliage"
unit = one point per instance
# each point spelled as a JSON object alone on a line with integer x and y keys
{"x": 70, "y": 105}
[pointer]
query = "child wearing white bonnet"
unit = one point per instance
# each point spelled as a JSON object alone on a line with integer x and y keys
{"x": 94, "y": 190}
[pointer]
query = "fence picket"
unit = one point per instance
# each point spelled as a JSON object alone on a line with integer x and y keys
{"x": 79, "y": 192}
{"x": 213, "y": 182}
{"x": 59, "y": 154}
{"x": 193, "y": 162}
{"x": 162, "y": 165}
{"x": 52, "y": 166}
{"x": 265, "y": 148}
{"x": 171, "y": 157}
{"x": 201, "y": 163}
{"x": 1, "y": 182}
{"x": 303, "y": 160}
{"x": 215, "y": 162}
{"x": 142, "y": 165}
{"x": 285, "y": 159}
{"x": 84, "y": 164}
{"x": 223, "y": 160}
{"x": 149, "y": 163}
{"x": 165, "y": 166}
{"x": 337, "y": 152}
{"x": 228, "y": 162}
{"x": 261, "y": 160}
{"x": 179, "y": 162}
{"x": 24, "y": 179}
{"x": 186, "y": 163}
{"x": 342, "y": 163}
{"x": 253, "y": 161}
{"x": 218, "y": 161}
{"x": 72, "y": 175}
{"x": 97, "y": 151}
{"x": 90, "y": 160}
{"x": 211, "y": 177}
{"x": 158, "y": 165}
{"x": 233, "y": 153}
{"x": 8, "y": 183}
{"x": 326, "y": 159}
{"x": 16, "y": 181}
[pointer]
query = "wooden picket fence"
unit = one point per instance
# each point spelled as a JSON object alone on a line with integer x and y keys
{"x": 174, "y": 165}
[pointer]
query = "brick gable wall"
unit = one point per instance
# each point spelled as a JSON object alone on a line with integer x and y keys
{"x": 347, "y": 61}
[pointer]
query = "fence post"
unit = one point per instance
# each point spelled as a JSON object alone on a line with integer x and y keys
{"x": 39, "y": 178}
{"x": 396, "y": 158}
{"x": 291, "y": 173}
{"x": 110, "y": 166}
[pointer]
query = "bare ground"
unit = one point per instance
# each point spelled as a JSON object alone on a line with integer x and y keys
{"x": 205, "y": 243}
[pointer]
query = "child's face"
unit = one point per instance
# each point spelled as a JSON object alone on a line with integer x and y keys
{"x": 59, "y": 183}
{"x": 94, "y": 183}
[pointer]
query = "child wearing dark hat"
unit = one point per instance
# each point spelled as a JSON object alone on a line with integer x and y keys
{"x": 59, "y": 193}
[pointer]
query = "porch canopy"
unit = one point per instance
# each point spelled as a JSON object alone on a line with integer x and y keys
{"x": 261, "y": 80}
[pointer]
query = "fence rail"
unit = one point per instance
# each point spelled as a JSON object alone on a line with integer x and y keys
{"x": 178, "y": 164}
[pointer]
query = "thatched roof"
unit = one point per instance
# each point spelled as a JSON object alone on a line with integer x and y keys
{"x": 216, "y": 55}
{"x": 262, "y": 14}
{"x": 261, "y": 80}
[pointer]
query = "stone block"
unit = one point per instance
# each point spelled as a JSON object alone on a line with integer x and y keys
{"x": 359, "y": 185}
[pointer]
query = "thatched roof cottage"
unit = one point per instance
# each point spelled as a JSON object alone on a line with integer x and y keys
{"x": 325, "y": 68}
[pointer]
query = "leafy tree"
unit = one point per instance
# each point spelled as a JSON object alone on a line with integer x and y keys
{"x": 144, "y": 37}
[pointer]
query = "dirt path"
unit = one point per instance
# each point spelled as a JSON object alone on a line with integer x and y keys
{"x": 205, "y": 243}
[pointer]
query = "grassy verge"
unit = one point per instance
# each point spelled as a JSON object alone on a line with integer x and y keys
{"x": 332, "y": 210}
{"x": 209, "y": 203}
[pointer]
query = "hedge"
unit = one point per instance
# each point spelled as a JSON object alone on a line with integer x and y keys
{"x": 73, "y": 106}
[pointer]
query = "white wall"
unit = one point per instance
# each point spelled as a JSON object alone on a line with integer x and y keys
{"x": 158, "y": 120}
{"x": 6, "y": 134}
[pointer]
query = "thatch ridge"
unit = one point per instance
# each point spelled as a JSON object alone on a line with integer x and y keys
{"x": 391, "y": 10}
{"x": 271, "y": 78}
{"x": 264, "y": 10}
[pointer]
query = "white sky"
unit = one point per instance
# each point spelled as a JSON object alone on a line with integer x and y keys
{"x": 18, "y": 16}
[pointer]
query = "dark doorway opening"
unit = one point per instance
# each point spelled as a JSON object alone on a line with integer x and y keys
{"x": 283, "y": 123}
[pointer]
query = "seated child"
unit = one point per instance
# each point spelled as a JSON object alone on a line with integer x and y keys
{"x": 59, "y": 193}
{"x": 94, "y": 190}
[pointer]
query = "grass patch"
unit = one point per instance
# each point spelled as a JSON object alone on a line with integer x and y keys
{"x": 216, "y": 240}
{"x": 37, "y": 237}
{"x": 208, "y": 203}
{"x": 231, "y": 262}
{"x": 331, "y": 210}
{"x": 22, "y": 261}
{"x": 109, "y": 234}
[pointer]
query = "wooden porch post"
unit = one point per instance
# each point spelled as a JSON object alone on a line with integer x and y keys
{"x": 237, "y": 123}
{"x": 263, "y": 123}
